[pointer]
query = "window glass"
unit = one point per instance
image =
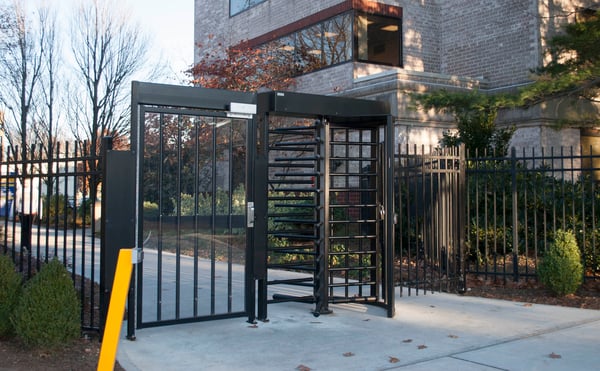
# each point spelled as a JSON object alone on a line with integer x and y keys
{"x": 378, "y": 39}
{"x": 282, "y": 51}
{"x": 237, "y": 6}
{"x": 309, "y": 49}
{"x": 337, "y": 41}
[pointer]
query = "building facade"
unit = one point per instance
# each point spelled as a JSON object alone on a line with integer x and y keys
{"x": 385, "y": 49}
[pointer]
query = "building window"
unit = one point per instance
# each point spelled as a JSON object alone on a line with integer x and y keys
{"x": 238, "y": 6}
{"x": 377, "y": 39}
{"x": 350, "y": 36}
{"x": 309, "y": 49}
{"x": 337, "y": 40}
{"x": 323, "y": 44}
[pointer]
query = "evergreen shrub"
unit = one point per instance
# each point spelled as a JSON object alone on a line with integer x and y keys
{"x": 151, "y": 210}
{"x": 561, "y": 270}
{"x": 10, "y": 290}
{"x": 47, "y": 314}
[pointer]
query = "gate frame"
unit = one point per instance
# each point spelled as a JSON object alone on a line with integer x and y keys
{"x": 183, "y": 97}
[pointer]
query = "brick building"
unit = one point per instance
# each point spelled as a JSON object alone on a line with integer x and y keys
{"x": 385, "y": 48}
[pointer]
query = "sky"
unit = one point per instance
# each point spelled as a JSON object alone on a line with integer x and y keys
{"x": 171, "y": 25}
{"x": 168, "y": 24}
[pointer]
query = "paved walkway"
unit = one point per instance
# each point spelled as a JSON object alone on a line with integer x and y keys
{"x": 429, "y": 332}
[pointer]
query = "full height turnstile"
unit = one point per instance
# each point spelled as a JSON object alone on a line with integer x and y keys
{"x": 322, "y": 199}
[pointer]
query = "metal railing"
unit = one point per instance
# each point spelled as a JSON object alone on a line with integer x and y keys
{"x": 48, "y": 210}
{"x": 515, "y": 205}
{"x": 430, "y": 219}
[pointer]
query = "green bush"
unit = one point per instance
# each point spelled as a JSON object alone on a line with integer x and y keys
{"x": 10, "y": 290}
{"x": 47, "y": 314}
{"x": 561, "y": 269}
{"x": 56, "y": 208}
{"x": 84, "y": 210}
{"x": 223, "y": 202}
{"x": 151, "y": 210}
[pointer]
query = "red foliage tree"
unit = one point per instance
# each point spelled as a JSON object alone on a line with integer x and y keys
{"x": 243, "y": 68}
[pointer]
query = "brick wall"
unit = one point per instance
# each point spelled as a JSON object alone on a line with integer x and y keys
{"x": 495, "y": 39}
{"x": 495, "y": 43}
{"x": 555, "y": 13}
{"x": 212, "y": 18}
{"x": 326, "y": 81}
{"x": 499, "y": 40}
{"x": 421, "y": 26}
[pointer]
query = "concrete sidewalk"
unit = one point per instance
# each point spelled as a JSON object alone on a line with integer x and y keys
{"x": 429, "y": 332}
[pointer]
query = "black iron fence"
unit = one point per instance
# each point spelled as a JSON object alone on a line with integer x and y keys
{"x": 491, "y": 216}
{"x": 457, "y": 214}
{"x": 515, "y": 205}
{"x": 48, "y": 209}
{"x": 430, "y": 204}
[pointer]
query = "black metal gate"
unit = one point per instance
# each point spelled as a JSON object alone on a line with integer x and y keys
{"x": 321, "y": 198}
{"x": 239, "y": 192}
{"x": 431, "y": 218}
{"x": 192, "y": 160}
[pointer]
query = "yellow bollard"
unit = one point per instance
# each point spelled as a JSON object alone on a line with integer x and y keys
{"x": 116, "y": 309}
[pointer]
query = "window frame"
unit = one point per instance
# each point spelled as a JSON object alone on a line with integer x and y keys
{"x": 243, "y": 8}
{"x": 350, "y": 47}
{"x": 356, "y": 42}
{"x": 295, "y": 38}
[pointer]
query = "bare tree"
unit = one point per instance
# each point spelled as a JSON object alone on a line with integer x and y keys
{"x": 108, "y": 50}
{"x": 20, "y": 71}
{"x": 5, "y": 24}
{"x": 45, "y": 126}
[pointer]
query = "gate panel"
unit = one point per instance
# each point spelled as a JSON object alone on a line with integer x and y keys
{"x": 355, "y": 204}
{"x": 194, "y": 216}
{"x": 295, "y": 232}
{"x": 192, "y": 168}
{"x": 431, "y": 218}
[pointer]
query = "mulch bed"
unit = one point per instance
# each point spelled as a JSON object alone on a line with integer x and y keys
{"x": 587, "y": 297}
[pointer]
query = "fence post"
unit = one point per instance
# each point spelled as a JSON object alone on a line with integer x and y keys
{"x": 26, "y": 224}
{"x": 108, "y": 262}
{"x": 118, "y": 223}
{"x": 515, "y": 214}
{"x": 462, "y": 218}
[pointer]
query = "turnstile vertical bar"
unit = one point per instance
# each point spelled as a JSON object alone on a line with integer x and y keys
{"x": 322, "y": 278}
{"x": 390, "y": 213}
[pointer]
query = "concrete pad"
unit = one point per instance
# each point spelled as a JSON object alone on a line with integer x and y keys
{"x": 574, "y": 348}
{"x": 430, "y": 331}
